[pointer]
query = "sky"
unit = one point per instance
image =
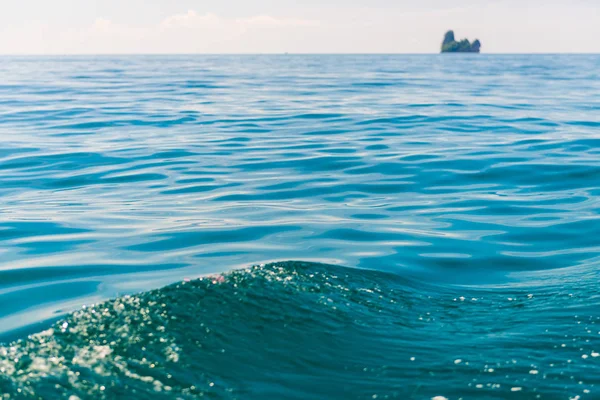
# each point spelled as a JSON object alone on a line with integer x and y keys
{"x": 306, "y": 26}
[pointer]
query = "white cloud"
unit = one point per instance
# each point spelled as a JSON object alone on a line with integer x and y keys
{"x": 265, "y": 20}
{"x": 188, "y": 32}
{"x": 194, "y": 20}
{"x": 193, "y": 32}
{"x": 102, "y": 25}
{"x": 190, "y": 19}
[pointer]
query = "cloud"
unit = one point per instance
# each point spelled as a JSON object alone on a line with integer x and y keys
{"x": 102, "y": 25}
{"x": 188, "y": 32}
{"x": 192, "y": 32}
{"x": 192, "y": 19}
{"x": 265, "y": 20}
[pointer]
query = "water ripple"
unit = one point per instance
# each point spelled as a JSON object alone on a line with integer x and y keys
{"x": 145, "y": 170}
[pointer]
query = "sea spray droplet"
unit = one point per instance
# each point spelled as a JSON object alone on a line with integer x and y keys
{"x": 183, "y": 335}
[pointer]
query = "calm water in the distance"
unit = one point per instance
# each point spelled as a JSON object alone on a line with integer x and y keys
{"x": 469, "y": 184}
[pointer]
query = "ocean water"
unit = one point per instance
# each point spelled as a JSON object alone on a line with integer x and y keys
{"x": 442, "y": 212}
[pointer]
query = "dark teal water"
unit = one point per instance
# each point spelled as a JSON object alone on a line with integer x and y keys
{"x": 446, "y": 209}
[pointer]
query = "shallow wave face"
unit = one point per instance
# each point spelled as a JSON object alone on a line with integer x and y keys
{"x": 298, "y": 330}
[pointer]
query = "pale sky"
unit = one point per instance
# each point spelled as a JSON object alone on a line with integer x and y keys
{"x": 301, "y": 26}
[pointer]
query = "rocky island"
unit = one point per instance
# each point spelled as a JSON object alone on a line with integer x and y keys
{"x": 450, "y": 45}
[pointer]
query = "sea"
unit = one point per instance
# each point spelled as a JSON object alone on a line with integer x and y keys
{"x": 300, "y": 227}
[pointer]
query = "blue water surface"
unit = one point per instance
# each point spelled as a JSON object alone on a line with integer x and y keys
{"x": 121, "y": 174}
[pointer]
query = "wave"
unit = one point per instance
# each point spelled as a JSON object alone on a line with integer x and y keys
{"x": 300, "y": 330}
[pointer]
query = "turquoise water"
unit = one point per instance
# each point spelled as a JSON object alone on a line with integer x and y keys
{"x": 446, "y": 209}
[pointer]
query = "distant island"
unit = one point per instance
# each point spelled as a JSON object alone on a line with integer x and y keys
{"x": 450, "y": 45}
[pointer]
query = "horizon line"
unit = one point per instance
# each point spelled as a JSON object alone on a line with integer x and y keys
{"x": 285, "y": 53}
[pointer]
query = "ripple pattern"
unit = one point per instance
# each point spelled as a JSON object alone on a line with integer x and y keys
{"x": 122, "y": 174}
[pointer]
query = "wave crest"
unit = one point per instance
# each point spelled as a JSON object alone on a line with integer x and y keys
{"x": 307, "y": 331}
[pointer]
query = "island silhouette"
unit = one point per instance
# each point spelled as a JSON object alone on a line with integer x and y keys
{"x": 450, "y": 45}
